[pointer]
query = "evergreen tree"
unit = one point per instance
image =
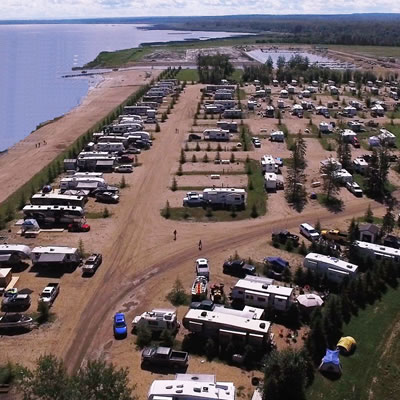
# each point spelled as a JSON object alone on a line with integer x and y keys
{"x": 331, "y": 185}
{"x": 388, "y": 222}
{"x": 369, "y": 215}
{"x": 344, "y": 153}
{"x": 377, "y": 172}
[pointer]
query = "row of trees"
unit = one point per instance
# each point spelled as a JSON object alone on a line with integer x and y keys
{"x": 214, "y": 68}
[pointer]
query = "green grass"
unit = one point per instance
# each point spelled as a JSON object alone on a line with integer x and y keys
{"x": 334, "y": 204}
{"x": 372, "y": 51}
{"x": 214, "y": 172}
{"x": 242, "y": 94}
{"x": 328, "y": 143}
{"x": 117, "y": 58}
{"x": 375, "y": 220}
{"x": 372, "y": 372}
{"x": 6, "y": 374}
{"x": 188, "y": 75}
{"x": 237, "y": 75}
{"x": 390, "y": 187}
{"x": 256, "y": 197}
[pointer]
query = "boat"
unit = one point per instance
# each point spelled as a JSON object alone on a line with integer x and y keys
{"x": 199, "y": 287}
{"x": 15, "y": 320}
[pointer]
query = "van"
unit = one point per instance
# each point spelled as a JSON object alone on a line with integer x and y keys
{"x": 309, "y": 232}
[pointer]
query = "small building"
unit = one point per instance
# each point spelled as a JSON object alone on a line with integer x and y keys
{"x": 369, "y": 232}
{"x": 270, "y": 181}
{"x": 191, "y": 387}
{"x": 377, "y": 251}
{"x": 333, "y": 268}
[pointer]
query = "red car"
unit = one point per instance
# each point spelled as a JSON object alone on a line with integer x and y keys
{"x": 78, "y": 228}
{"x": 355, "y": 142}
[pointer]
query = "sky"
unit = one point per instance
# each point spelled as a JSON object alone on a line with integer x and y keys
{"x": 60, "y": 9}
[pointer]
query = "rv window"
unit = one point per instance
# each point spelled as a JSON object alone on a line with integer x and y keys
{"x": 240, "y": 292}
{"x": 153, "y": 323}
{"x": 260, "y": 299}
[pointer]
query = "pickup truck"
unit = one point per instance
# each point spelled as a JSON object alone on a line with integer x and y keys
{"x": 91, "y": 264}
{"x": 238, "y": 268}
{"x": 284, "y": 235}
{"x": 335, "y": 235}
{"x": 164, "y": 357}
{"x": 49, "y": 294}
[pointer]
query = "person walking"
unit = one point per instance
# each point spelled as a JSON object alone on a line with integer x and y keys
{"x": 175, "y": 234}
{"x": 200, "y": 245}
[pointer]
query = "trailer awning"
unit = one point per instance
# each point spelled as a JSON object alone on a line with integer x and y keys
{"x": 105, "y": 163}
{"x": 51, "y": 258}
{"x": 5, "y": 257}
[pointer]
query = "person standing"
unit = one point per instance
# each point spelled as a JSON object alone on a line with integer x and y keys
{"x": 200, "y": 245}
{"x": 175, "y": 234}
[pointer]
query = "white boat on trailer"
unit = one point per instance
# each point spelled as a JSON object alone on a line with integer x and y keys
{"x": 15, "y": 320}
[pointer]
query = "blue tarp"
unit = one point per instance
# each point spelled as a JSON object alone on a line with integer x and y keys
{"x": 277, "y": 261}
{"x": 331, "y": 356}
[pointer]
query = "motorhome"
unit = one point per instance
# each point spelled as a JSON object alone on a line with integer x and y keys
{"x": 136, "y": 110}
{"x": 232, "y": 113}
{"x": 54, "y": 215}
{"x": 262, "y": 294}
{"x": 268, "y": 164}
{"x": 157, "y": 320}
{"x": 112, "y": 139}
{"x": 245, "y": 326}
{"x": 225, "y": 197}
{"x": 57, "y": 255}
{"x": 12, "y": 254}
{"x": 360, "y": 165}
{"x": 333, "y": 268}
{"x": 228, "y": 125}
{"x": 191, "y": 387}
{"x": 125, "y": 126}
{"x": 53, "y": 199}
{"x": 225, "y": 104}
{"x": 224, "y": 95}
{"x": 85, "y": 183}
{"x": 387, "y": 137}
{"x": 269, "y": 112}
{"x": 377, "y": 251}
{"x": 101, "y": 162}
{"x": 216, "y": 134}
{"x": 343, "y": 176}
{"x": 270, "y": 181}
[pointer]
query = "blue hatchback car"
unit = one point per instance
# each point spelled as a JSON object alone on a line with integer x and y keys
{"x": 120, "y": 328}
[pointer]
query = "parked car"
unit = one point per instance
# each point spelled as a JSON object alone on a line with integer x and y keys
{"x": 309, "y": 232}
{"x": 107, "y": 197}
{"x": 78, "y": 227}
{"x": 284, "y": 235}
{"x": 49, "y": 293}
{"x": 125, "y": 158}
{"x": 102, "y": 189}
{"x": 202, "y": 268}
{"x": 120, "y": 328}
{"x": 92, "y": 263}
{"x": 256, "y": 142}
{"x": 354, "y": 188}
{"x": 16, "y": 302}
{"x": 133, "y": 150}
{"x": 164, "y": 357}
{"x": 124, "y": 168}
{"x": 355, "y": 142}
{"x": 238, "y": 268}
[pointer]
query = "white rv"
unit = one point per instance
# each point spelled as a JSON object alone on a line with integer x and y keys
{"x": 125, "y": 126}
{"x": 277, "y": 136}
{"x": 360, "y": 165}
{"x": 112, "y": 139}
{"x": 228, "y": 125}
{"x": 270, "y": 181}
{"x": 54, "y": 214}
{"x": 333, "y": 268}
{"x": 232, "y": 113}
{"x": 157, "y": 320}
{"x": 56, "y": 199}
{"x": 268, "y": 164}
{"x": 377, "y": 251}
{"x": 224, "y": 197}
{"x": 111, "y": 147}
{"x": 263, "y": 294}
{"x": 11, "y": 254}
{"x": 216, "y": 134}
{"x": 59, "y": 255}
{"x": 191, "y": 387}
{"x": 143, "y": 135}
{"x": 89, "y": 183}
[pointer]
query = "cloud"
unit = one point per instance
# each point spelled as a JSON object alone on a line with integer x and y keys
{"x": 22, "y": 9}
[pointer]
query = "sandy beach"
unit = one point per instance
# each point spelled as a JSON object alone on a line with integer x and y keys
{"x": 25, "y": 159}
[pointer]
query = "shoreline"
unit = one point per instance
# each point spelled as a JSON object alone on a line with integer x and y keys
{"x": 20, "y": 162}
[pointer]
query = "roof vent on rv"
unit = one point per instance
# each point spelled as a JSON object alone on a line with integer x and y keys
{"x": 262, "y": 325}
{"x": 168, "y": 387}
{"x": 204, "y": 314}
{"x": 265, "y": 286}
{"x": 179, "y": 391}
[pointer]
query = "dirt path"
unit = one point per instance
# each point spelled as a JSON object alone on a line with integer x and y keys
{"x": 24, "y": 159}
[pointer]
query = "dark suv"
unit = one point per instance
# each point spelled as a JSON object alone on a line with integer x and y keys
{"x": 238, "y": 268}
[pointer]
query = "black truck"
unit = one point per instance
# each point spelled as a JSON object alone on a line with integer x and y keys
{"x": 164, "y": 357}
{"x": 238, "y": 268}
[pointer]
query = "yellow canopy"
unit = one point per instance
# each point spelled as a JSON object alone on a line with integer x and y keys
{"x": 347, "y": 343}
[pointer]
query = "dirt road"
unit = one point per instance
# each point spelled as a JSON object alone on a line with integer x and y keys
{"x": 141, "y": 251}
{"x": 24, "y": 159}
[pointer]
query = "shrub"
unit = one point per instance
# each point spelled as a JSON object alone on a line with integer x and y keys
{"x": 205, "y": 158}
{"x": 122, "y": 184}
{"x": 177, "y": 296}
{"x": 106, "y": 213}
{"x": 194, "y": 158}
{"x": 232, "y": 159}
{"x": 197, "y": 148}
{"x": 158, "y": 129}
{"x": 209, "y": 212}
{"x": 254, "y": 211}
{"x": 166, "y": 213}
{"x": 143, "y": 337}
{"x": 179, "y": 172}
{"x": 166, "y": 338}
{"x": 182, "y": 158}
{"x": 174, "y": 185}
{"x": 44, "y": 312}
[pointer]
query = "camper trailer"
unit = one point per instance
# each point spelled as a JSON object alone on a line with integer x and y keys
{"x": 224, "y": 95}
{"x": 270, "y": 181}
{"x": 56, "y": 199}
{"x": 232, "y": 113}
{"x": 269, "y": 112}
{"x": 228, "y": 125}
{"x": 225, "y": 104}
{"x": 277, "y": 136}
{"x": 268, "y": 164}
{"x": 216, "y": 134}
{"x": 262, "y": 294}
{"x": 57, "y": 255}
{"x": 377, "y": 251}
{"x": 333, "y": 268}
{"x": 85, "y": 183}
{"x": 245, "y": 326}
{"x": 54, "y": 215}
{"x": 224, "y": 197}
{"x": 12, "y": 254}
{"x": 113, "y": 147}
{"x": 360, "y": 165}
{"x": 112, "y": 139}
{"x": 157, "y": 320}
{"x": 136, "y": 110}
{"x": 103, "y": 163}
{"x": 125, "y": 126}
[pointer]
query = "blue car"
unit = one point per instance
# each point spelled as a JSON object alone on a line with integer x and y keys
{"x": 120, "y": 328}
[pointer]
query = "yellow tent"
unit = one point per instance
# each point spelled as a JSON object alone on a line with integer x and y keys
{"x": 346, "y": 344}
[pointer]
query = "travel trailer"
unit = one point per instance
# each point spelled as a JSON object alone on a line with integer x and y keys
{"x": 57, "y": 255}
{"x": 110, "y": 146}
{"x": 216, "y": 134}
{"x": 88, "y": 183}
{"x": 224, "y": 197}
{"x": 232, "y": 113}
{"x": 191, "y": 387}
{"x": 268, "y": 164}
{"x": 377, "y": 251}
{"x": 228, "y": 125}
{"x": 11, "y": 254}
{"x": 56, "y": 199}
{"x": 333, "y": 268}
{"x": 157, "y": 320}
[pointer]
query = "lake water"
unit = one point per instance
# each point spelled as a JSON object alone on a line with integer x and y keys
{"x": 34, "y": 58}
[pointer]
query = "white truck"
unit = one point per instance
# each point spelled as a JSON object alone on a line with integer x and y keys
{"x": 49, "y": 293}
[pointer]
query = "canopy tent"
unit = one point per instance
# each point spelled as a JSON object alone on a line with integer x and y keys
{"x": 330, "y": 363}
{"x": 310, "y": 300}
{"x": 346, "y": 344}
{"x": 30, "y": 225}
{"x": 5, "y": 277}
